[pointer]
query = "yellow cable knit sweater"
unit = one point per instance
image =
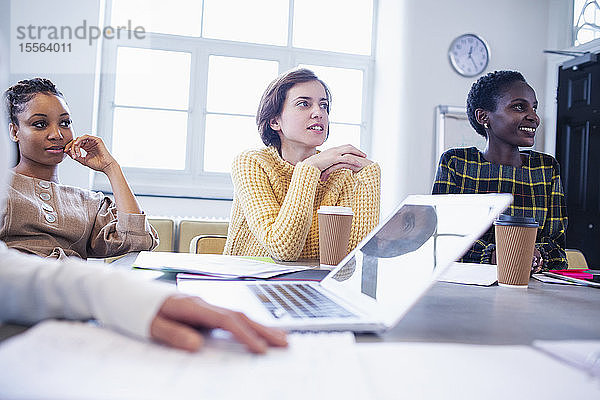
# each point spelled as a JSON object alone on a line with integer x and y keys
{"x": 275, "y": 205}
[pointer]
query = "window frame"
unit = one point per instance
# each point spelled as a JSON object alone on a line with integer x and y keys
{"x": 193, "y": 181}
{"x": 577, "y": 15}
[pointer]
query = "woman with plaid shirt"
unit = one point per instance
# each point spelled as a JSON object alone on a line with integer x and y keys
{"x": 501, "y": 107}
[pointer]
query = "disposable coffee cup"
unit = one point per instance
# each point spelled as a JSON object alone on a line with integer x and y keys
{"x": 335, "y": 223}
{"x": 515, "y": 242}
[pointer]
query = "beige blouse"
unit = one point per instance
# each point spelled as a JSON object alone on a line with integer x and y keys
{"x": 50, "y": 219}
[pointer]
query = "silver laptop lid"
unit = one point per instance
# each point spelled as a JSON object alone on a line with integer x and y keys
{"x": 395, "y": 264}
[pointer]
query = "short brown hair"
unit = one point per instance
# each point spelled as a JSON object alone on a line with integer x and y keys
{"x": 271, "y": 102}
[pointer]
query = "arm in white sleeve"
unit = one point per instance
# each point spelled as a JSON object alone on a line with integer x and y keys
{"x": 33, "y": 289}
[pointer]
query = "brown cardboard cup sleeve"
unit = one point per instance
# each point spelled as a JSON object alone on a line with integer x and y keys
{"x": 515, "y": 242}
{"x": 335, "y": 223}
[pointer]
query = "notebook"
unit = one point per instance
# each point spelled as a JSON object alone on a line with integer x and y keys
{"x": 374, "y": 286}
{"x": 576, "y": 276}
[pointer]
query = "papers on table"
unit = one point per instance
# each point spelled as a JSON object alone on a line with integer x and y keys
{"x": 548, "y": 279}
{"x": 470, "y": 274}
{"x": 70, "y": 360}
{"x": 571, "y": 276}
{"x": 218, "y": 266}
{"x": 460, "y": 371}
{"x": 582, "y": 354}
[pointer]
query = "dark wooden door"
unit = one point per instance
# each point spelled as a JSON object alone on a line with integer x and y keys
{"x": 578, "y": 152}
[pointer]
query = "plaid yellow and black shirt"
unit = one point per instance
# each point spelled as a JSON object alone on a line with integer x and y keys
{"x": 537, "y": 192}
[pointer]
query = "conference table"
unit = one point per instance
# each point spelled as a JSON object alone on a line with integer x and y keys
{"x": 461, "y": 337}
{"x": 496, "y": 315}
{"x": 470, "y": 314}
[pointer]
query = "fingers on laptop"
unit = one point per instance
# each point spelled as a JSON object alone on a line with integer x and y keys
{"x": 182, "y": 312}
{"x": 255, "y": 336}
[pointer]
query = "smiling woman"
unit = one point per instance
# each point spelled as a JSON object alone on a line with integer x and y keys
{"x": 46, "y": 218}
{"x": 278, "y": 189}
{"x": 501, "y": 107}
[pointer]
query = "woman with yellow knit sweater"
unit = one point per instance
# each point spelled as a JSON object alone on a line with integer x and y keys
{"x": 278, "y": 189}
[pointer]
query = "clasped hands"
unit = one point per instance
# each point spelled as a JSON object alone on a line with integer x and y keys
{"x": 345, "y": 156}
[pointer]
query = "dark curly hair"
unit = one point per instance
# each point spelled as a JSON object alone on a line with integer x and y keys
{"x": 271, "y": 102}
{"x": 18, "y": 95}
{"x": 485, "y": 93}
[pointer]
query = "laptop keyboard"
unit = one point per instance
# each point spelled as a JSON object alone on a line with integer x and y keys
{"x": 298, "y": 301}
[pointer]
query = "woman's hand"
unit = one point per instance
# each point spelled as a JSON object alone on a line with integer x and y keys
{"x": 99, "y": 159}
{"x": 345, "y": 156}
{"x": 537, "y": 263}
{"x": 178, "y": 318}
{"x": 97, "y": 155}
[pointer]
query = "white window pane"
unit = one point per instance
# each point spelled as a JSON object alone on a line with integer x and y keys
{"x": 175, "y": 17}
{"x": 152, "y": 78}
{"x": 589, "y": 13}
{"x": 346, "y": 92}
{"x": 256, "y": 21}
{"x": 227, "y": 136}
{"x": 149, "y": 138}
{"x": 347, "y": 27}
{"x": 342, "y": 134}
{"x": 235, "y": 85}
{"x": 585, "y": 35}
{"x": 577, "y": 8}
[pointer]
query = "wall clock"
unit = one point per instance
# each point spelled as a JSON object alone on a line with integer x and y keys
{"x": 469, "y": 54}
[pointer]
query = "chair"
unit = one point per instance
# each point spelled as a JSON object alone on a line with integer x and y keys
{"x": 189, "y": 229}
{"x": 165, "y": 228}
{"x": 575, "y": 259}
{"x": 208, "y": 244}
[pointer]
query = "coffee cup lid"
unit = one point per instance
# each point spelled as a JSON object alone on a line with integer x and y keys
{"x": 335, "y": 210}
{"x": 513, "y": 220}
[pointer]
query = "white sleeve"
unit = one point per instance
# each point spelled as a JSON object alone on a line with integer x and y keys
{"x": 33, "y": 289}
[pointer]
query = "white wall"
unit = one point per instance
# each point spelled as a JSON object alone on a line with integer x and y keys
{"x": 73, "y": 73}
{"x": 412, "y": 76}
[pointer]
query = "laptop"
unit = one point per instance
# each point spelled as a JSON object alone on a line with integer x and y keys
{"x": 375, "y": 285}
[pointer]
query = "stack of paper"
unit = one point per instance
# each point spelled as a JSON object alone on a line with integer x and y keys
{"x": 582, "y": 354}
{"x": 463, "y": 371}
{"x": 548, "y": 279}
{"x": 70, "y": 360}
{"x": 470, "y": 274}
{"x": 218, "y": 266}
{"x": 575, "y": 275}
{"x": 67, "y": 360}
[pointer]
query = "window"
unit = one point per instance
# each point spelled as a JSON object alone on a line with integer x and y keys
{"x": 586, "y": 21}
{"x": 178, "y": 104}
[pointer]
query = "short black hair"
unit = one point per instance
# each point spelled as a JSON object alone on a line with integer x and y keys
{"x": 19, "y": 94}
{"x": 485, "y": 93}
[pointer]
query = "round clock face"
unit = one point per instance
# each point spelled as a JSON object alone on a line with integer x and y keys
{"x": 469, "y": 54}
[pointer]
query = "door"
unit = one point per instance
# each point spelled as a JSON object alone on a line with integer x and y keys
{"x": 578, "y": 152}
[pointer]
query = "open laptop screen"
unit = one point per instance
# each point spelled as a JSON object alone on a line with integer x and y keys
{"x": 409, "y": 249}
